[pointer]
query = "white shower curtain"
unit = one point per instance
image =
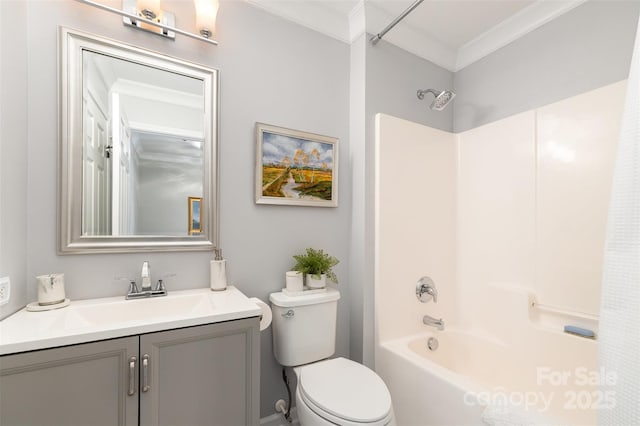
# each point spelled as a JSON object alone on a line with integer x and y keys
{"x": 619, "y": 340}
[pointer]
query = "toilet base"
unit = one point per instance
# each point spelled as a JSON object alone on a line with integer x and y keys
{"x": 306, "y": 417}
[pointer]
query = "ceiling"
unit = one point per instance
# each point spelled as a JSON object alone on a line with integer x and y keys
{"x": 449, "y": 33}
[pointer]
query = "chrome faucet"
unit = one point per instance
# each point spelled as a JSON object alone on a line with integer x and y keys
{"x": 425, "y": 285}
{"x": 438, "y": 323}
{"x": 145, "y": 276}
{"x": 145, "y": 286}
{"x": 433, "y": 292}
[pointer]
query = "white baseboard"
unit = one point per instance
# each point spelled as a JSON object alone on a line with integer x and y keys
{"x": 277, "y": 419}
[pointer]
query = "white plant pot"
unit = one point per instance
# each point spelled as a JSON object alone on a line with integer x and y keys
{"x": 294, "y": 281}
{"x": 315, "y": 283}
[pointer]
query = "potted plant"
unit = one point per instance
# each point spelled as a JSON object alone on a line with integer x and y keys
{"x": 316, "y": 265}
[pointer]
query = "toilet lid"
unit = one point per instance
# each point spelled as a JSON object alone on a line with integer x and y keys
{"x": 345, "y": 389}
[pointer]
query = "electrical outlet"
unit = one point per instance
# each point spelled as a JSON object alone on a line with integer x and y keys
{"x": 5, "y": 290}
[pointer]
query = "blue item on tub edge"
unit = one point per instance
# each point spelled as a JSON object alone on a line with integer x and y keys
{"x": 579, "y": 331}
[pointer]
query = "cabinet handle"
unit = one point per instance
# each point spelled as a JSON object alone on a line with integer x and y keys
{"x": 145, "y": 373}
{"x": 132, "y": 376}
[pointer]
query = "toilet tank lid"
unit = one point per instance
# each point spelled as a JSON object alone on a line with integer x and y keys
{"x": 286, "y": 301}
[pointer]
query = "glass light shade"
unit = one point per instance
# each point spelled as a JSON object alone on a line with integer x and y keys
{"x": 149, "y": 5}
{"x": 206, "y": 11}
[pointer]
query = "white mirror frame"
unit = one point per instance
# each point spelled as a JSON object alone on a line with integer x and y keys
{"x": 71, "y": 43}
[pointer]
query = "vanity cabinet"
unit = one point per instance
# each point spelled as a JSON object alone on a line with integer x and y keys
{"x": 206, "y": 375}
{"x": 75, "y": 385}
{"x": 201, "y": 375}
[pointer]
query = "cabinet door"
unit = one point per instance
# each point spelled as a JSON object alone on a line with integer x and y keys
{"x": 80, "y": 385}
{"x": 204, "y": 375}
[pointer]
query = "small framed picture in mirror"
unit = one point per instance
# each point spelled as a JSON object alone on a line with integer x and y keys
{"x": 195, "y": 215}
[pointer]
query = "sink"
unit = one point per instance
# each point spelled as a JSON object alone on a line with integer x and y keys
{"x": 111, "y": 317}
{"x": 117, "y": 311}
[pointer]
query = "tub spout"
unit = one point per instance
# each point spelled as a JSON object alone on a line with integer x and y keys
{"x": 438, "y": 323}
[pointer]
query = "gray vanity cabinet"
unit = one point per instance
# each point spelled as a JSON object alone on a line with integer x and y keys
{"x": 206, "y": 375}
{"x": 201, "y": 375}
{"x": 80, "y": 385}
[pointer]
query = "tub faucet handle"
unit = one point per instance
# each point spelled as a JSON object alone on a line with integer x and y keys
{"x": 426, "y": 290}
{"x": 433, "y": 292}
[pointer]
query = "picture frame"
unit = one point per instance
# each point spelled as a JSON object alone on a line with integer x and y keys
{"x": 195, "y": 215}
{"x": 295, "y": 168}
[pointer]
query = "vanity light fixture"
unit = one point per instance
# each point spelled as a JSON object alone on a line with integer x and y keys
{"x": 206, "y": 11}
{"x": 150, "y": 9}
{"x": 147, "y": 15}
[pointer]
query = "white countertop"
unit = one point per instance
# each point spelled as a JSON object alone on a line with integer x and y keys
{"x": 107, "y": 318}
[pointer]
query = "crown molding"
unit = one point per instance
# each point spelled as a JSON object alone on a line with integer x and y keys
{"x": 511, "y": 29}
{"x": 367, "y": 17}
{"x": 409, "y": 38}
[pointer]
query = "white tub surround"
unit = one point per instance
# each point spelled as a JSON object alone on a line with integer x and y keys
{"x": 415, "y": 224}
{"x": 509, "y": 220}
{"x": 107, "y": 318}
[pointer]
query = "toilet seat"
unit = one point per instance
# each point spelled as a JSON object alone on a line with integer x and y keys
{"x": 345, "y": 392}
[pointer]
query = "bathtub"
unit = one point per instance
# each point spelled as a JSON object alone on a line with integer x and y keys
{"x": 471, "y": 375}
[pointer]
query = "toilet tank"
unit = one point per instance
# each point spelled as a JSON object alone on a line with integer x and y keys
{"x": 304, "y": 327}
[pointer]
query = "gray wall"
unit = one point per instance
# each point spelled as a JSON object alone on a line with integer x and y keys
{"x": 13, "y": 153}
{"x": 393, "y": 78}
{"x": 162, "y": 190}
{"x": 586, "y": 48}
{"x": 272, "y": 71}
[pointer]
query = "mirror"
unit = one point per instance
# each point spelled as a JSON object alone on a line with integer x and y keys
{"x": 138, "y": 144}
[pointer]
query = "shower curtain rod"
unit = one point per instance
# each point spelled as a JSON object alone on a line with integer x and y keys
{"x": 376, "y": 38}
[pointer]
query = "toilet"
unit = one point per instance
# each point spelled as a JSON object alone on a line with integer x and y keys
{"x": 330, "y": 391}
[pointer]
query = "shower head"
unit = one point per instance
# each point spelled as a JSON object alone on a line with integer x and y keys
{"x": 442, "y": 98}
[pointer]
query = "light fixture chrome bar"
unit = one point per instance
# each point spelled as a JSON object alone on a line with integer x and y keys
{"x": 168, "y": 19}
{"x": 376, "y": 38}
{"x": 147, "y": 21}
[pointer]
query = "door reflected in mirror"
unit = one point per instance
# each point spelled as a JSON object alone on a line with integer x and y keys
{"x": 138, "y": 139}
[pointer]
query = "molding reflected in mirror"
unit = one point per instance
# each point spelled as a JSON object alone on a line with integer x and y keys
{"x": 138, "y": 137}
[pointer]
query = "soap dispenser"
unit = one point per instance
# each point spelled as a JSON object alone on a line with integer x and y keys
{"x": 218, "y": 271}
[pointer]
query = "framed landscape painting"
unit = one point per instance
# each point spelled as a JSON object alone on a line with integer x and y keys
{"x": 295, "y": 168}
